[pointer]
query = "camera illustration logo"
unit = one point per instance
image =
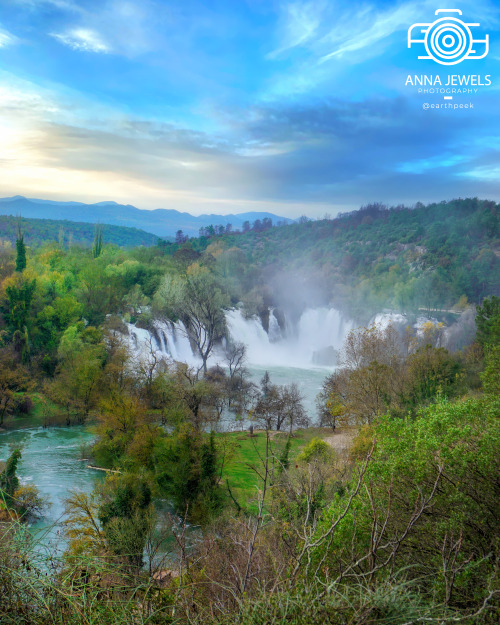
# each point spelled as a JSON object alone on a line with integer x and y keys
{"x": 448, "y": 40}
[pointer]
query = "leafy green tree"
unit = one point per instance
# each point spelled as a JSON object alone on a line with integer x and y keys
{"x": 13, "y": 379}
{"x": 441, "y": 468}
{"x": 491, "y": 374}
{"x": 186, "y": 471}
{"x": 488, "y": 321}
{"x": 81, "y": 360}
{"x": 126, "y": 516}
{"x": 18, "y": 292}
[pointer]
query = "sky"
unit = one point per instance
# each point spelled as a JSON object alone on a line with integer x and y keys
{"x": 226, "y": 106}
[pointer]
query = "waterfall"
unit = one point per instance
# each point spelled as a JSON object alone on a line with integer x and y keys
{"x": 317, "y": 335}
{"x": 313, "y": 341}
{"x": 167, "y": 341}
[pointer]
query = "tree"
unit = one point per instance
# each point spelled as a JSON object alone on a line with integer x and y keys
{"x": 13, "y": 379}
{"x": 81, "y": 359}
{"x": 186, "y": 466}
{"x": 9, "y": 482}
{"x": 180, "y": 237}
{"x": 20, "y": 250}
{"x": 98, "y": 241}
{"x": 278, "y": 406}
{"x": 491, "y": 374}
{"x": 331, "y": 400}
{"x": 18, "y": 292}
{"x": 239, "y": 389}
{"x": 427, "y": 506}
{"x": 199, "y": 302}
{"x": 373, "y": 374}
{"x": 192, "y": 398}
{"x": 126, "y": 516}
{"x": 293, "y": 408}
{"x": 488, "y": 321}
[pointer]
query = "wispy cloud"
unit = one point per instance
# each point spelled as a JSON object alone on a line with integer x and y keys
{"x": 365, "y": 29}
{"x": 332, "y": 29}
{"x": 6, "y": 38}
{"x": 299, "y": 25}
{"x": 83, "y": 39}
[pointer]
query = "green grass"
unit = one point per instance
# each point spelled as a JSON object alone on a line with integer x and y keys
{"x": 249, "y": 451}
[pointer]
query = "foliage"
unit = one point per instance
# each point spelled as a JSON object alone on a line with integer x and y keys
{"x": 20, "y": 251}
{"x": 431, "y": 481}
{"x": 409, "y": 259}
{"x": 316, "y": 448}
{"x": 9, "y": 482}
{"x": 385, "y": 372}
{"x": 198, "y": 301}
{"x": 187, "y": 473}
{"x": 488, "y": 321}
{"x": 98, "y": 242}
{"x": 70, "y": 233}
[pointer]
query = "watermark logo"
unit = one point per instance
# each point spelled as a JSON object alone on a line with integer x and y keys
{"x": 448, "y": 40}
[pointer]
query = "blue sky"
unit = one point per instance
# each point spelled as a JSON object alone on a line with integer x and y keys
{"x": 228, "y": 106}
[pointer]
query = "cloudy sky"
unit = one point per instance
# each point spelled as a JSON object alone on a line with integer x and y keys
{"x": 294, "y": 107}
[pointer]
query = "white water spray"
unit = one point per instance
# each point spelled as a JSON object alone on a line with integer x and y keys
{"x": 317, "y": 330}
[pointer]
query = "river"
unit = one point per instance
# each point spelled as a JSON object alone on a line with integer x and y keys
{"x": 51, "y": 457}
{"x": 51, "y": 460}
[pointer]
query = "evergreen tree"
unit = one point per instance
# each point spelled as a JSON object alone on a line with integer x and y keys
{"x": 98, "y": 242}
{"x": 9, "y": 482}
{"x": 20, "y": 250}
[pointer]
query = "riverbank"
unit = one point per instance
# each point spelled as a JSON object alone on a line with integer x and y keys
{"x": 44, "y": 413}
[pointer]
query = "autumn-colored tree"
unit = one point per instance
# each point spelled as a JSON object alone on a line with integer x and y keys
{"x": 14, "y": 378}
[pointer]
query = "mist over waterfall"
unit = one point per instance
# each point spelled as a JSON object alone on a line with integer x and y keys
{"x": 312, "y": 341}
{"x": 309, "y": 343}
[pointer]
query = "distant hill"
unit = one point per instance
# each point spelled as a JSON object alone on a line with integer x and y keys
{"x": 38, "y": 231}
{"x": 160, "y": 221}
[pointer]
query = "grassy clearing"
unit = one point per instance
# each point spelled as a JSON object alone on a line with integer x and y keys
{"x": 246, "y": 455}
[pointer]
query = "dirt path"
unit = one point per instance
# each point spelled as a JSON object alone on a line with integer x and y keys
{"x": 341, "y": 440}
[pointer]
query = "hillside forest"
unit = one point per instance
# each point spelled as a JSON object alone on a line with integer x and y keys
{"x": 269, "y": 520}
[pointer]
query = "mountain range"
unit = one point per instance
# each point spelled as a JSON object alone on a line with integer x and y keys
{"x": 161, "y": 222}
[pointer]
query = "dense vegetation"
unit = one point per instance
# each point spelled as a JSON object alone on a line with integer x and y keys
{"x": 428, "y": 257}
{"x": 193, "y": 525}
{"x": 68, "y": 233}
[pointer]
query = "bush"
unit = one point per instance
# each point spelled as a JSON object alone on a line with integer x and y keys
{"x": 428, "y": 503}
{"x": 23, "y": 405}
{"x": 316, "y": 449}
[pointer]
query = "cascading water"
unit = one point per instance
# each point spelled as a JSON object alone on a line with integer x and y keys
{"x": 311, "y": 342}
{"x": 317, "y": 330}
{"x": 165, "y": 341}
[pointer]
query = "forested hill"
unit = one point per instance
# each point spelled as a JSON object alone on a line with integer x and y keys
{"x": 39, "y": 231}
{"x": 428, "y": 257}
